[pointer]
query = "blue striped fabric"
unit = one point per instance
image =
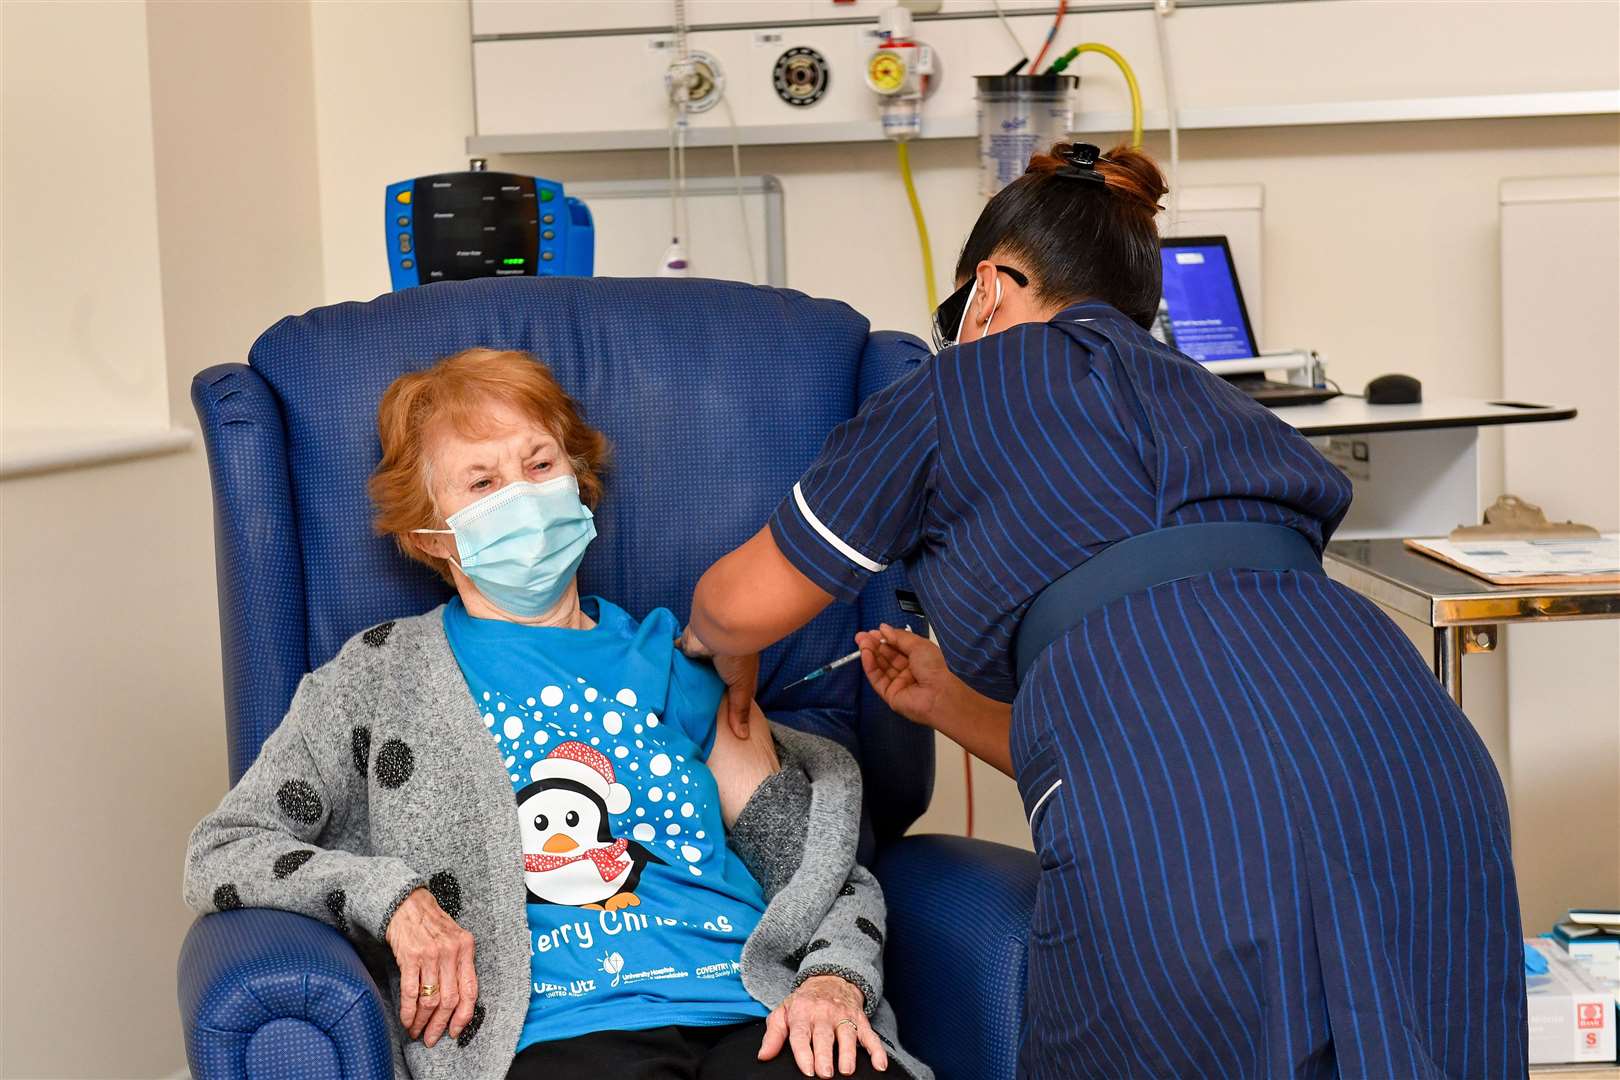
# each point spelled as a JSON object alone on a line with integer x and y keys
{"x": 1014, "y": 459}
{"x": 1270, "y": 844}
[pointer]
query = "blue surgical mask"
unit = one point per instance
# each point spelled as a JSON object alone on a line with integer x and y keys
{"x": 522, "y": 544}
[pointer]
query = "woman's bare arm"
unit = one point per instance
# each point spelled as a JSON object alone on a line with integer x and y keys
{"x": 741, "y": 762}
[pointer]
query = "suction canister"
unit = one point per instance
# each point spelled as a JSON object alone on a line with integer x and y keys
{"x": 1019, "y": 114}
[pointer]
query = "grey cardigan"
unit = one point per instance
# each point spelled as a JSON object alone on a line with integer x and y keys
{"x": 381, "y": 779}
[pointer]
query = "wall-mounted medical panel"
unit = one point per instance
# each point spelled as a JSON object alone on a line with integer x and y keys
{"x": 561, "y": 75}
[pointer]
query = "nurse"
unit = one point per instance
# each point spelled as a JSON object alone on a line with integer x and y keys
{"x": 1270, "y": 845}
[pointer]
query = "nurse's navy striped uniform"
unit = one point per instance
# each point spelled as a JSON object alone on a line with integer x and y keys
{"x": 1271, "y": 846}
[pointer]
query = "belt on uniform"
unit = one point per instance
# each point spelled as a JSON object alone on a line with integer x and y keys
{"x": 1141, "y": 562}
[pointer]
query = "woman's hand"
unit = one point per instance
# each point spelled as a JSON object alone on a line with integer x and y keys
{"x": 908, "y": 671}
{"x": 432, "y": 951}
{"x": 909, "y": 674}
{"x": 822, "y": 1020}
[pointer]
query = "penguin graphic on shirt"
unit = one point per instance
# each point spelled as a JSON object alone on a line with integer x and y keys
{"x": 570, "y": 855}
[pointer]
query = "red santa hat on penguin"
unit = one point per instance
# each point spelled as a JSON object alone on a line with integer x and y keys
{"x": 588, "y": 767}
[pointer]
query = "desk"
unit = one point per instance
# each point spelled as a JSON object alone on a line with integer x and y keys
{"x": 1352, "y": 415}
{"x": 1415, "y": 468}
{"x": 1450, "y": 601}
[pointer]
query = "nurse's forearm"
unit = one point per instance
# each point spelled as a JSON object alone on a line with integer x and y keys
{"x": 982, "y": 726}
{"x": 753, "y": 598}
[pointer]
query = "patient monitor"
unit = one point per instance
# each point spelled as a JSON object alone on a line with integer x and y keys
{"x": 457, "y": 226}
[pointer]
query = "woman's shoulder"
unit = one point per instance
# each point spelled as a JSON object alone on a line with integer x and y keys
{"x": 387, "y": 646}
{"x": 657, "y": 623}
{"x": 386, "y": 666}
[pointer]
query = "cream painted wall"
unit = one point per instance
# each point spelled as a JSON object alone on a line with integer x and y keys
{"x": 375, "y": 128}
{"x": 112, "y": 743}
{"x": 83, "y": 321}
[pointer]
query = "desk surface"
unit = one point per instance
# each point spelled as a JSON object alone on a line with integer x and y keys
{"x": 1439, "y": 595}
{"x": 1350, "y": 415}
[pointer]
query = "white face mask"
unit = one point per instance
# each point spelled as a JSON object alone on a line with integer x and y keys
{"x": 522, "y": 543}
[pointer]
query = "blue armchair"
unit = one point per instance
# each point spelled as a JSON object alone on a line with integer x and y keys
{"x": 715, "y": 396}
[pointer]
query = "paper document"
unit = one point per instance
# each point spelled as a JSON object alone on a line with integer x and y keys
{"x": 1506, "y": 562}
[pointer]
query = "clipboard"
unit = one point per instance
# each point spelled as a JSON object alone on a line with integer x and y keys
{"x": 1589, "y": 558}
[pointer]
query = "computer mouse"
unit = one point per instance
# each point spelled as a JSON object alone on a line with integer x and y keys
{"x": 1394, "y": 390}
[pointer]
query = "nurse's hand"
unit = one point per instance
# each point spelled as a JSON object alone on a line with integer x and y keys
{"x": 740, "y": 674}
{"x": 910, "y": 675}
{"x": 908, "y": 671}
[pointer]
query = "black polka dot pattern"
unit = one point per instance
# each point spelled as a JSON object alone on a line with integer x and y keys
{"x": 447, "y": 891}
{"x": 377, "y": 636}
{"x": 847, "y": 890}
{"x": 395, "y": 763}
{"x": 226, "y": 899}
{"x": 291, "y": 861}
{"x": 869, "y": 928}
{"x": 472, "y": 1027}
{"x": 335, "y": 901}
{"x": 793, "y": 959}
{"x": 360, "y": 746}
{"x": 299, "y": 802}
{"x": 817, "y": 945}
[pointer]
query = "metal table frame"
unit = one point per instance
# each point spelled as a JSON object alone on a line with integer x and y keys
{"x": 1463, "y": 611}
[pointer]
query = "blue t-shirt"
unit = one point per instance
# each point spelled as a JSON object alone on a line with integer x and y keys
{"x": 637, "y": 909}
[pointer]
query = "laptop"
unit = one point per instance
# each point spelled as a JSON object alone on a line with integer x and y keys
{"x": 1202, "y": 314}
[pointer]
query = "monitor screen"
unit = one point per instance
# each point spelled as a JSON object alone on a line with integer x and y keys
{"x": 475, "y": 224}
{"x": 1207, "y": 317}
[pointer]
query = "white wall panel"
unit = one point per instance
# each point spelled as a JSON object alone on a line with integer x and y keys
{"x": 1233, "y": 63}
{"x": 1561, "y": 341}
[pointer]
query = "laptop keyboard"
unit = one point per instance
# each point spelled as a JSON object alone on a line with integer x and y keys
{"x": 1274, "y": 394}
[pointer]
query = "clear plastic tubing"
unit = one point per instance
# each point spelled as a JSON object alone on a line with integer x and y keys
{"x": 1019, "y": 114}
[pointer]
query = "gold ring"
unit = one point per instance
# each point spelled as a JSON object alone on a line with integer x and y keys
{"x": 845, "y": 1020}
{"x": 429, "y": 990}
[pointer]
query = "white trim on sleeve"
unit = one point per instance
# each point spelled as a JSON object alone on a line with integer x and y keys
{"x": 833, "y": 538}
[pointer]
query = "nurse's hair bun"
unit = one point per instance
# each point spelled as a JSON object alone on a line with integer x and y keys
{"x": 1082, "y": 225}
{"x": 1129, "y": 174}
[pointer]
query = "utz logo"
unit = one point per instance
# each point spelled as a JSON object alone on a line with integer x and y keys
{"x": 1590, "y": 1015}
{"x": 1015, "y": 124}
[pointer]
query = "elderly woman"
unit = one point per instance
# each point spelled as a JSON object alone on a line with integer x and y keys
{"x": 559, "y": 848}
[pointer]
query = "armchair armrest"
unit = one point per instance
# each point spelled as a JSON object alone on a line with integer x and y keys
{"x": 956, "y": 963}
{"x": 270, "y": 993}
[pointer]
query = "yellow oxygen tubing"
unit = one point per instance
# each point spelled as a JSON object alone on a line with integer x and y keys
{"x": 902, "y": 149}
{"x": 1124, "y": 69}
{"x": 903, "y": 152}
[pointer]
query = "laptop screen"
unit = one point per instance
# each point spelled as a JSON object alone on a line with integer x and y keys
{"x": 1205, "y": 303}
